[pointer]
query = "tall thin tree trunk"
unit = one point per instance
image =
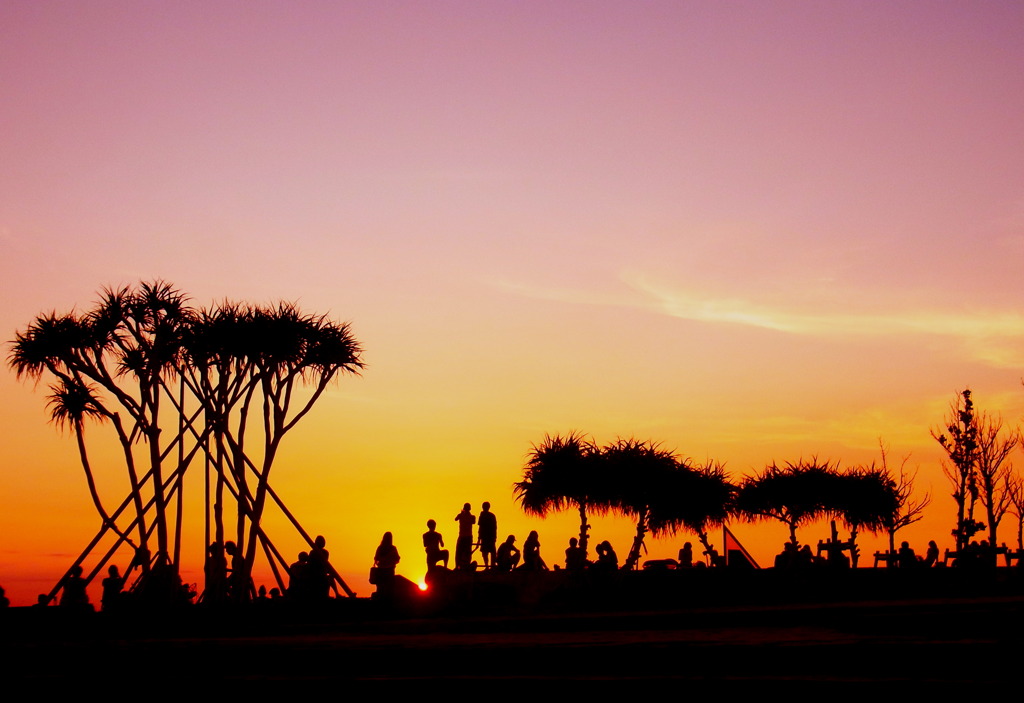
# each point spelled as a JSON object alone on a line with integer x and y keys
{"x": 152, "y": 431}
{"x": 854, "y": 555}
{"x": 584, "y": 529}
{"x": 702, "y": 537}
{"x": 181, "y": 474}
{"x": 133, "y": 477}
{"x": 638, "y": 541}
{"x": 91, "y": 481}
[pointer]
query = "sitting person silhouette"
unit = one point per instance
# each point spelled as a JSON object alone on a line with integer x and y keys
{"x": 384, "y": 561}
{"x": 905, "y": 557}
{"x": 686, "y": 556}
{"x": 607, "y": 559}
{"x": 508, "y": 555}
{"x": 73, "y": 594}
{"x": 112, "y": 586}
{"x": 532, "y": 560}
{"x": 434, "y": 543}
{"x": 575, "y": 558}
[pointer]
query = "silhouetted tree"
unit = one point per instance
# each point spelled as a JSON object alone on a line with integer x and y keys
{"x": 175, "y": 382}
{"x": 909, "y": 509}
{"x": 959, "y": 439}
{"x": 995, "y": 444}
{"x": 75, "y": 350}
{"x": 865, "y": 498}
{"x": 793, "y": 494}
{"x": 692, "y": 498}
{"x": 562, "y": 473}
{"x": 645, "y": 476}
{"x": 1015, "y": 491}
{"x": 71, "y": 402}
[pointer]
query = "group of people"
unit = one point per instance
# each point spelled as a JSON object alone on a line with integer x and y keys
{"x": 907, "y": 559}
{"x": 487, "y": 540}
{"x": 223, "y": 570}
{"x": 159, "y": 584}
{"x": 504, "y": 557}
{"x": 310, "y": 576}
{"x": 793, "y": 556}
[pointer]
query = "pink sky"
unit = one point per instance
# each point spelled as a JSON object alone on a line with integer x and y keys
{"x": 750, "y": 231}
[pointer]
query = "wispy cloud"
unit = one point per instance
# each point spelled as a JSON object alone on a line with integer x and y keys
{"x": 973, "y": 325}
{"x": 992, "y": 337}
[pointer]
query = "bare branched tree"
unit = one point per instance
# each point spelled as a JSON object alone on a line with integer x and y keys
{"x": 911, "y": 509}
{"x": 1014, "y": 487}
{"x": 995, "y": 444}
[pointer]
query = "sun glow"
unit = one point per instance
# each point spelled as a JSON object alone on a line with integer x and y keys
{"x": 710, "y": 229}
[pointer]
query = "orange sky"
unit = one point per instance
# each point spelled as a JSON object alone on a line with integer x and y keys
{"x": 753, "y": 233}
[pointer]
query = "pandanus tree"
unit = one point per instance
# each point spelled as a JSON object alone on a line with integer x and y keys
{"x": 646, "y": 477}
{"x": 695, "y": 499}
{"x": 794, "y": 494}
{"x": 71, "y": 403}
{"x": 564, "y": 473}
{"x": 866, "y": 498}
{"x": 74, "y": 351}
{"x": 292, "y": 350}
{"x": 641, "y": 480}
{"x": 174, "y": 383}
{"x": 218, "y": 370}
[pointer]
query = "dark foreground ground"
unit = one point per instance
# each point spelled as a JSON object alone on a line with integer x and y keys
{"x": 935, "y": 641}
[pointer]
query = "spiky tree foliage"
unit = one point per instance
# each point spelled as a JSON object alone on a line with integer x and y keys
{"x": 72, "y": 349}
{"x": 643, "y": 476}
{"x": 694, "y": 498}
{"x": 641, "y": 480}
{"x": 174, "y": 382}
{"x": 218, "y": 369}
{"x": 865, "y": 498}
{"x": 564, "y": 473}
{"x": 795, "y": 494}
{"x": 71, "y": 403}
{"x": 292, "y": 350}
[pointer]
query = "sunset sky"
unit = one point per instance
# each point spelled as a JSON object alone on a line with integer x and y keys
{"x": 751, "y": 231}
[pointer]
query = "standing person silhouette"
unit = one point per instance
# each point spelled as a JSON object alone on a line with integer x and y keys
{"x": 487, "y": 535}
{"x": 319, "y": 564}
{"x": 464, "y": 544}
